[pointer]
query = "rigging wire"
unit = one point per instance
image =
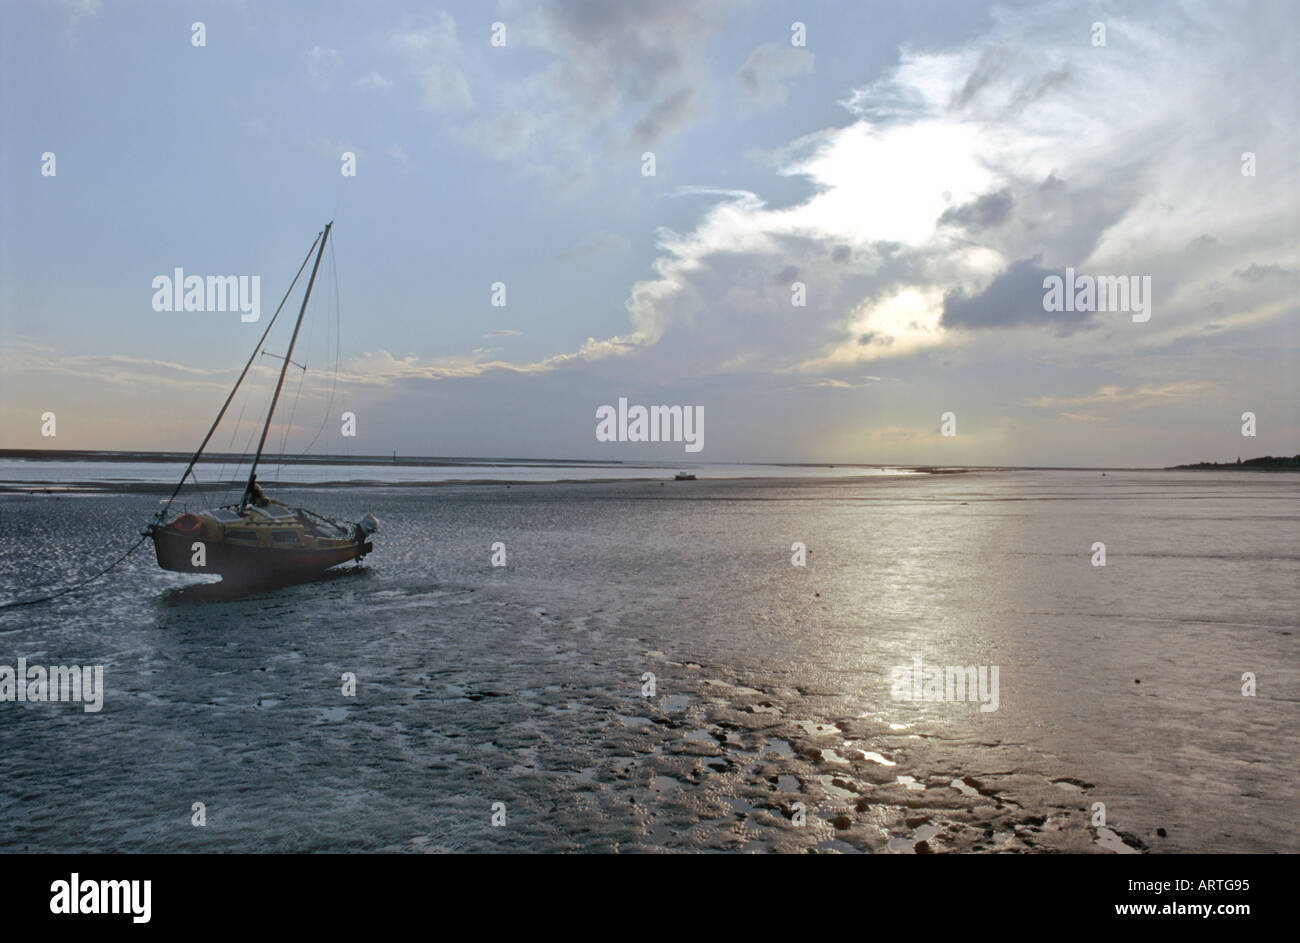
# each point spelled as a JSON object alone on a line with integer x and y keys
{"x": 338, "y": 344}
{"x": 199, "y": 488}
{"x": 302, "y": 378}
{"x": 225, "y": 459}
{"x": 288, "y": 354}
{"x": 234, "y": 481}
{"x": 297, "y": 392}
{"x": 248, "y": 443}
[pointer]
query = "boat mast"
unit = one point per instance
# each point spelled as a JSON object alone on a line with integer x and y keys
{"x": 243, "y": 373}
{"x": 270, "y": 413}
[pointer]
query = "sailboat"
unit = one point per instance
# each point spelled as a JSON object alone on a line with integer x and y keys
{"x": 259, "y": 540}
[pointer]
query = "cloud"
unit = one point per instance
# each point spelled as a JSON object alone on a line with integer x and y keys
{"x": 382, "y": 368}
{"x": 321, "y": 64}
{"x": 604, "y": 79}
{"x": 664, "y": 119}
{"x": 81, "y": 10}
{"x": 443, "y": 88}
{"x": 425, "y": 36}
{"x": 767, "y": 71}
{"x": 834, "y": 383}
{"x": 398, "y": 153}
{"x": 503, "y": 136}
{"x": 605, "y": 242}
{"x": 965, "y": 177}
{"x": 1013, "y": 297}
{"x": 962, "y": 178}
{"x": 1117, "y": 397}
{"x": 1255, "y": 273}
{"x": 335, "y": 149}
{"x": 374, "y": 80}
{"x": 427, "y": 47}
{"x": 114, "y": 369}
{"x": 633, "y": 73}
{"x": 985, "y": 212}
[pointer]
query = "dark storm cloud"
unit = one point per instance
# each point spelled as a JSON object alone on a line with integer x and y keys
{"x": 987, "y": 211}
{"x": 647, "y": 59}
{"x": 1014, "y": 297}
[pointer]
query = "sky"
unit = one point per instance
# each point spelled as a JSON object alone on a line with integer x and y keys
{"x": 915, "y": 172}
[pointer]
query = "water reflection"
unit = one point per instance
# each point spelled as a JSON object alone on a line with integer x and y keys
{"x": 227, "y": 591}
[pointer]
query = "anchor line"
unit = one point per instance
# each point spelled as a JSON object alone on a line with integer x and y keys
{"x": 76, "y": 586}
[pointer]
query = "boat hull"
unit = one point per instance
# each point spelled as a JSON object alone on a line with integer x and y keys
{"x": 249, "y": 564}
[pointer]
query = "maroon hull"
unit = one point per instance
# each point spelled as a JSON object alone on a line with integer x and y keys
{"x": 252, "y": 563}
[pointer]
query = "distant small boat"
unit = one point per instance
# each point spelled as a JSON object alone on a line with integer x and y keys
{"x": 683, "y": 476}
{"x": 259, "y": 540}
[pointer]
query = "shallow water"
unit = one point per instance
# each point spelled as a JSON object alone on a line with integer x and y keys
{"x": 523, "y": 684}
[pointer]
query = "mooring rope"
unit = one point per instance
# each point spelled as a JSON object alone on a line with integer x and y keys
{"x": 76, "y": 586}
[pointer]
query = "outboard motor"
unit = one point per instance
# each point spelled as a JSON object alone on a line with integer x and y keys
{"x": 363, "y": 528}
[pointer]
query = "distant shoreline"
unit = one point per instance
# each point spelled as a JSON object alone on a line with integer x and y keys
{"x": 54, "y": 488}
{"x": 1263, "y": 463}
{"x": 37, "y": 475}
{"x": 92, "y": 455}
{"x": 50, "y": 488}
{"x": 1268, "y": 462}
